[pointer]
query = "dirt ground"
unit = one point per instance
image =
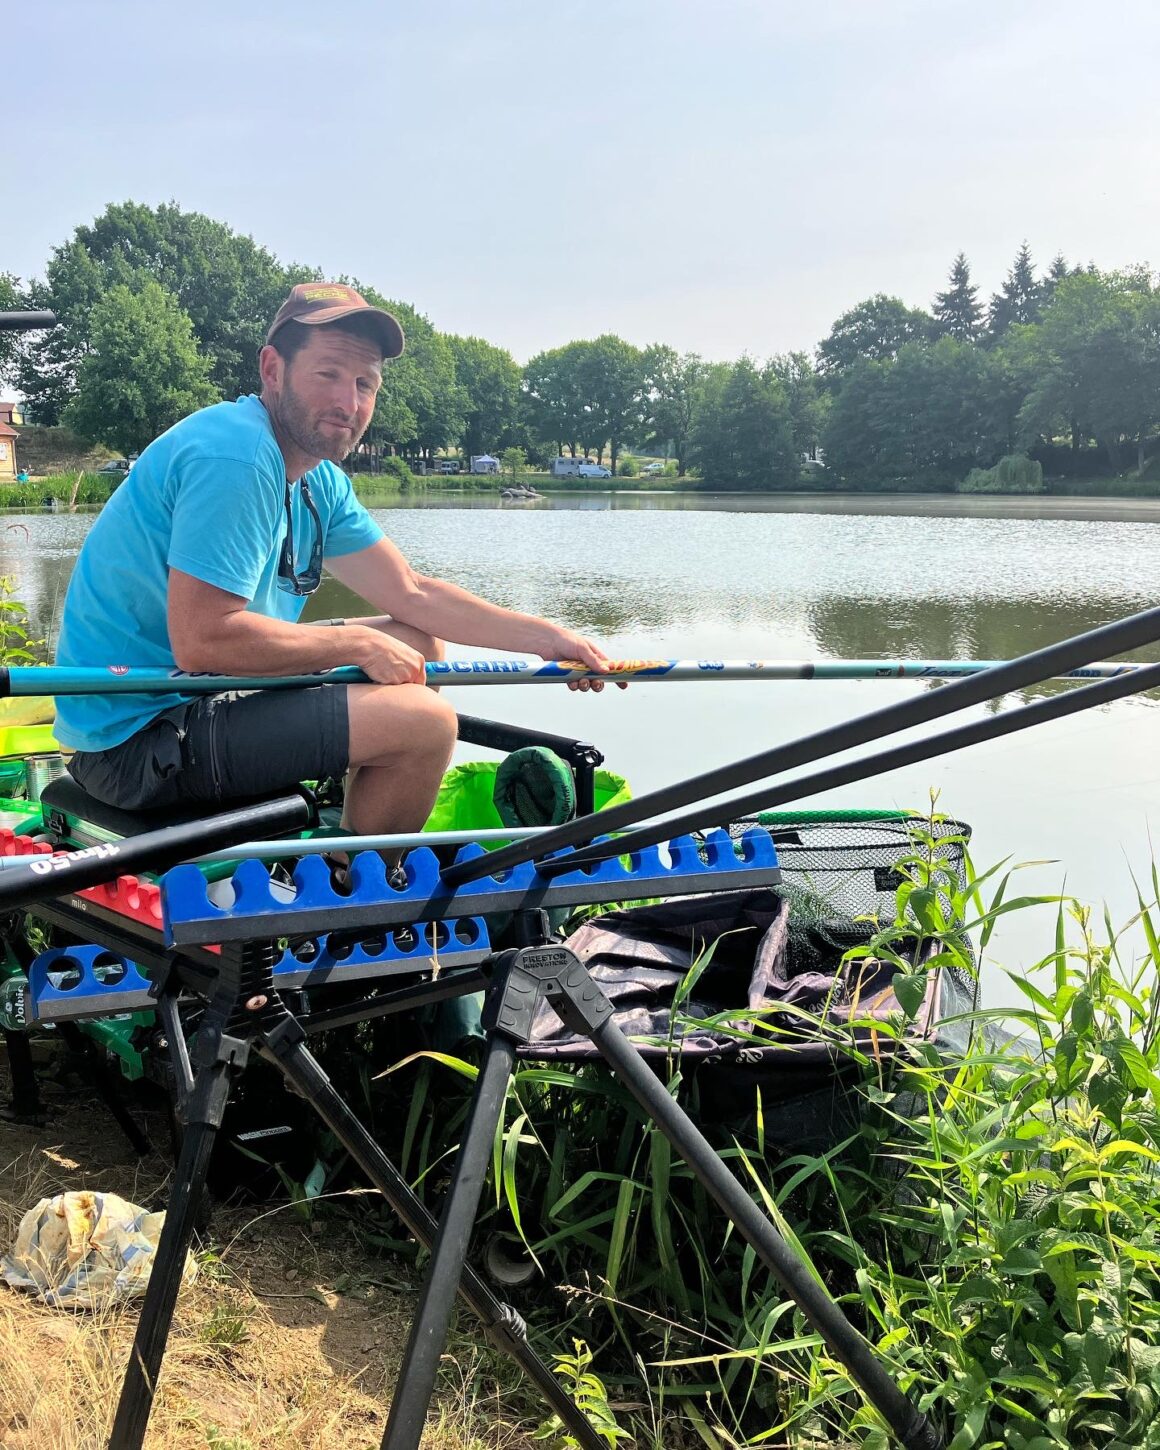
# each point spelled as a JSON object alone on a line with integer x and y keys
{"x": 289, "y": 1336}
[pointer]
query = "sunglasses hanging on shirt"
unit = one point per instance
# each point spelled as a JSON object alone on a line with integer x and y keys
{"x": 289, "y": 580}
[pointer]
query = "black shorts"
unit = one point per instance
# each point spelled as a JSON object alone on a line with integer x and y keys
{"x": 223, "y": 747}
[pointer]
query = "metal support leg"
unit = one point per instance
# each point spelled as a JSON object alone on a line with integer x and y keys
{"x": 504, "y": 1327}
{"x": 140, "y": 1384}
{"x": 553, "y": 972}
{"x": 243, "y": 1005}
{"x": 907, "y": 1422}
{"x": 416, "y": 1381}
{"x": 25, "y": 1102}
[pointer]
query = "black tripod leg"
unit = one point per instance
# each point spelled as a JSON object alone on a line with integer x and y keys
{"x": 140, "y": 1384}
{"x": 503, "y": 1325}
{"x": 26, "y": 1106}
{"x": 909, "y": 1424}
{"x": 416, "y": 1382}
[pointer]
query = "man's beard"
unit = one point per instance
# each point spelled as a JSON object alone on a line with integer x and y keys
{"x": 290, "y": 415}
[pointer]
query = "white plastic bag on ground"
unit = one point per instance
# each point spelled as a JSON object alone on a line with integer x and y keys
{"x": 85, "y": 1251}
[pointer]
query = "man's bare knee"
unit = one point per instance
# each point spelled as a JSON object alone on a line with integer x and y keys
{"x": 392, "y": 722}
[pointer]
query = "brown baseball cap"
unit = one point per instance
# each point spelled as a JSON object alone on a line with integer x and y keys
{"x": 318, "y": 303}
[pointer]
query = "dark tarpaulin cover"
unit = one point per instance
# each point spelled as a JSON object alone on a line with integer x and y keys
{"x": 761, "y": 963}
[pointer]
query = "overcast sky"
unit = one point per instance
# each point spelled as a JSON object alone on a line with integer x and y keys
{"x": 723, "y": 175}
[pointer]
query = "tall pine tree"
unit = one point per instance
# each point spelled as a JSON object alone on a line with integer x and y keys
{"x": 1055, "y": 275}
{"x": 1019, "y": 300}
{"x": 958, "y": 311}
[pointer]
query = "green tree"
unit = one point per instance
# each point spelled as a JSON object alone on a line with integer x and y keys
{"x": 1055, "y": 275}
{"x": 47, "y": 374}
{"x": 143, "y": 372}
{"x": 1095, "y": 360}
{"x": 958, "y": 311}
{"x": 671, "y": 384}
{"x": 587, "y": 394}
{"x": 9, "y": 341}
{"x": 554, "y": 403}
{"x": 874, "y": 330}
{"x": 860, "y": 435}
{"x": 743, "y": 431}
{"x": 228, "y": 285}
{"x": 807, "y": 399}
{"x": 614, "y": 385}
{"x": 925, "y": 419}
{"x": 489, "y": 379}
{"x": 513, "y": 461}
{"x": 1018, "y": 302}
{"x": 421, "y": 405}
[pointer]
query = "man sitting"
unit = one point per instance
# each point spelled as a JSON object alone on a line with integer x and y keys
{"x": 202, "y": 561}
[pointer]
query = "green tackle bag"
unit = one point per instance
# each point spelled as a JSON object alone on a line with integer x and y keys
{"x": 529, "y": 787}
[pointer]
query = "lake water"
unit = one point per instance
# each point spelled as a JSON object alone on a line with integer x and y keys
{"x": 686, "y": 577}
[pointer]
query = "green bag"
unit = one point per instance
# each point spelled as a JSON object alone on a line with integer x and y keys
{"x": 466, "y": 802}
{"x": 466, "y": 798}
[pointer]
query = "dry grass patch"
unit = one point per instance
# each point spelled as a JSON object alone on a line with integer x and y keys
{"x": 290, "y": 1336}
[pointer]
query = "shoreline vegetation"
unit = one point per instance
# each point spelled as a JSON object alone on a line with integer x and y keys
{"x": 92, "y": 491}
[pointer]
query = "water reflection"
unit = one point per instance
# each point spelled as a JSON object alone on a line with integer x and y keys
{"x": 770, "y": 582}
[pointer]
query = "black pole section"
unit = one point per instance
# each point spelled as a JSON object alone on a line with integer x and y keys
{"x": 416, "y": 1380}
{"x": 993, "y": 728}
{"x": 48, "y": 876}
{"x": 909, "y": 1424}
{"x": 1030, "y": 669}
{"x": 498, "y": 735}
{"x": 26, "y": 321}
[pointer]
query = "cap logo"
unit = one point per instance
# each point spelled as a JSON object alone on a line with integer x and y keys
{"x": 327, "y": 294}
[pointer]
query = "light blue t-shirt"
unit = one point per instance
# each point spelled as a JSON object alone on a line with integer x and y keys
{"x": 208, "y": 498}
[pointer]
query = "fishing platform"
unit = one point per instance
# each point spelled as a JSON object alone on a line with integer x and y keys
{"x": 424, "y": 926}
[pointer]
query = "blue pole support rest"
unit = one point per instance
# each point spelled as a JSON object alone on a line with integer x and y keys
{"x": 68, "y": 984}
{"x": 686, "y": 866}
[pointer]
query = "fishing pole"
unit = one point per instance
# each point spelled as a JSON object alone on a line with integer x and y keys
{"x": 1029, "y": 669}
{"x": 132, "y": 680}
{"x": 26, "y": 321}
{"x": 320, "y": 845}
{"x": 58, "y": 875}
{"x": 1100, "y": 692}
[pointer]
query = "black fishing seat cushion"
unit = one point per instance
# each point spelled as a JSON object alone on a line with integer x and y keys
{"x": 63, "y": 795}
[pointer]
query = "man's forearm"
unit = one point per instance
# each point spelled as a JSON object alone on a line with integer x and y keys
{"x": 455, "y": 614}
{"x": 246, "y": 643}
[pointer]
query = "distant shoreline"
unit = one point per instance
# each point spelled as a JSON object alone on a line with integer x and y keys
{"x": 1098, "y": 509}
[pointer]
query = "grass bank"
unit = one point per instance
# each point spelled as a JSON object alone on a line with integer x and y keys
{"x": 289, "y": 1335}
{"x": 988, "y": 1218}
{"x": 76, "y": 488}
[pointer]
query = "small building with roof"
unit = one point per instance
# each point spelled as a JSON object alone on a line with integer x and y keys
{"x": 8, "y": 437}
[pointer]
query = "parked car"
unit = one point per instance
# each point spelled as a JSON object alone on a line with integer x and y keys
{"x": 120, "y": 466}
{"x": 650, "y": 470}
{"x": 593, "y": 470}
{"x": 447, "y": 465}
